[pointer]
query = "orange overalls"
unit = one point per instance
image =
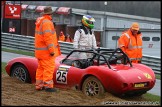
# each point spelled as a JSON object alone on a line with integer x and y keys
{"x": 45, "y": 43}
{"x": 131, "y": 45}
{"x": 62, "y": 37}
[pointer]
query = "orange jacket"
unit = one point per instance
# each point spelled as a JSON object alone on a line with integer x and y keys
{"x": 131, "y": 45}
{"x": 45, "y": 38}
{"x": 62, "y": 37}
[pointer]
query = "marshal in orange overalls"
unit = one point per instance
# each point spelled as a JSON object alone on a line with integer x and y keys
{"x": 46, "y": 50}
{"x": 131, "y": 43}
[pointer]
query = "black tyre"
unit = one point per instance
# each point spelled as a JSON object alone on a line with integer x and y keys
{"x": 21, "y": 73}
{"x": 93, "y": 87}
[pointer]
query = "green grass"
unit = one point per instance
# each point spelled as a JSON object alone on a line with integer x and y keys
{"x": 158, "y": 76}
{"x": 18, "y": 52}
{"x": 151, "y": 97}
{"x": 3, "y": 64}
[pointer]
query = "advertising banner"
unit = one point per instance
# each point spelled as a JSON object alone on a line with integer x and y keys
{"x": 12, "y": 11}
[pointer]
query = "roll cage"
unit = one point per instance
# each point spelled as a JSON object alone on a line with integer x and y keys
{"x": 104, "y": 56}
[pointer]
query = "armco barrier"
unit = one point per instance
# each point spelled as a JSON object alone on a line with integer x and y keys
{"x": 26, "y": 43}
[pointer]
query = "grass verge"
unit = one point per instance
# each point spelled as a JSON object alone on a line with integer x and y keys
{"x": 151, "y": 97}
{"x": 18, "y": 52}
{"x": 3, "y": 64}
{"x": 158, "y": 76}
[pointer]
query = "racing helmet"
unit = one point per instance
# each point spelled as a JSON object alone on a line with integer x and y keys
{"x": 88, "y": 21}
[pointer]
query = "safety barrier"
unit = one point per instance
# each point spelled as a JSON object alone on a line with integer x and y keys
{"x": 26, "y": 43}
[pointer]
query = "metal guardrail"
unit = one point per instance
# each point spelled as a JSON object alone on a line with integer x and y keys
{"x": 26, "y": 43}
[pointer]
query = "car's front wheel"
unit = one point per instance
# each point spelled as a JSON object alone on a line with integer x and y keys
{"x": 93, "y": 87}
{"x": 21, "y": 73}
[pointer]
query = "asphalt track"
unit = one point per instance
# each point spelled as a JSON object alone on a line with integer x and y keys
{"x": 6, "y": 56}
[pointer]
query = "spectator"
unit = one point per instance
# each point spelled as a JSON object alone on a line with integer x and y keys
{"x": 61, "y": 36}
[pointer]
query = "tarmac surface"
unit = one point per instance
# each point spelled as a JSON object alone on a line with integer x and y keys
{"x": 6, "y": 56}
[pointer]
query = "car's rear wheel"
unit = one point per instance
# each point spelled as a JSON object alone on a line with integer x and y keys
{"x": 93, "y": 87}
{"x": 21, "y": 73}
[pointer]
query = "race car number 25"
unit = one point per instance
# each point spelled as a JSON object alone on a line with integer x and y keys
{"x": 61, "y": 74}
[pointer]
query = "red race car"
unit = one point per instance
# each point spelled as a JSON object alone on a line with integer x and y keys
{"x": 104, "y": 70}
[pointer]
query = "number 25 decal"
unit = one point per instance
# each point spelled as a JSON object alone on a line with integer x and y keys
{"x": 61, "y": 74}
{"x": 61, "y": 77}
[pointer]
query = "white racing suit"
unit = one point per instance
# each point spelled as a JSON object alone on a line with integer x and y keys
{"x": 84, "y": 41}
